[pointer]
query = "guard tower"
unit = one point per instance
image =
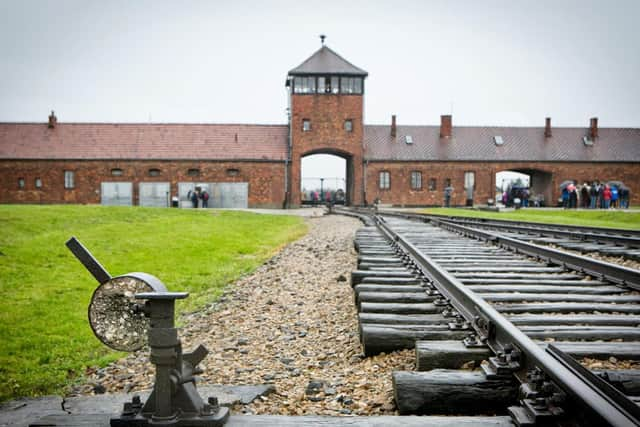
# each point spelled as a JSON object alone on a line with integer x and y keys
{"x": 326, "y": 108}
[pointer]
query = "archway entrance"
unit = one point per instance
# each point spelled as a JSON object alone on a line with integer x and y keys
{"x": 325, "y": 178}
{"x": 536, "y": 182}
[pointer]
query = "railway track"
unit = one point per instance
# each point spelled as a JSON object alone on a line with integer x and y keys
{"x": 604, "y": 241}
{"x": 524, "y": 314}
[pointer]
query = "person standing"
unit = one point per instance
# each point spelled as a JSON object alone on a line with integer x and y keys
{"x": 194, "y": 199}
{"x": 205, "y": 199}
{"x": 606, "y": 196}
{"x": 565, "y": 197}
{"x": 614, "y": 196}
{"x": 584, "y": 196}
{"x": 593, "y": 195}
{"x": 448, "y": 192}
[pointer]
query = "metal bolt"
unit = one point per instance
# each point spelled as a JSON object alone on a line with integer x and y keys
{"x": 128, "y": 409}
{"x": 213, "y": 401}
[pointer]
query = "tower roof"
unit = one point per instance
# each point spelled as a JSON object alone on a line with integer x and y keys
{"x": 326, "y": 61}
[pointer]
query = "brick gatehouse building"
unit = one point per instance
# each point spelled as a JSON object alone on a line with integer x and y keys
{"x": 260, "y": 165}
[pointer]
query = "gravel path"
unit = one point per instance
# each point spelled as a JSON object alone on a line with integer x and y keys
{"x": 291, "y": 323}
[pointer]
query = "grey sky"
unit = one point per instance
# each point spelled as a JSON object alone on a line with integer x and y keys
{"x": 492, "y": 62}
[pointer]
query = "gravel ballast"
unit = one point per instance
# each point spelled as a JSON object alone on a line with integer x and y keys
{"x": 291, "y": 323}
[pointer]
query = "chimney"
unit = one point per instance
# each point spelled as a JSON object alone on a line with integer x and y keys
{"x": 547, "y": 127}
{"x": 393, "y": 126}
{"x": 445, "y": 126}
{"x": 53, "y": 120}
{"x": 593, "y": 128}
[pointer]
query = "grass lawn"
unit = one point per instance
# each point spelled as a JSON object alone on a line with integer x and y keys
{"x": 592, "y": 218}
{"x": 44, "y": 290}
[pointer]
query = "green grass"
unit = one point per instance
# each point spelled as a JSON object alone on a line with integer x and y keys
{"x": 592, "y": 218}
{"x": 44, "y": 291}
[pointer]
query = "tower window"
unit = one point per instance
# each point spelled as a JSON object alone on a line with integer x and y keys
{"x": 38, "y": 183}
{"x": 348, "y": 125}
{"x": 416, "y": 180}
{"x": 306, "y": 125}
{"x": 351, "y": 85}
{"x": 21, "y": 183}
{"x": 304, "y": 85}
{"x": 335, "y": 85}
{"x": 69, "y": 178}
{"x": 385, "y": 180}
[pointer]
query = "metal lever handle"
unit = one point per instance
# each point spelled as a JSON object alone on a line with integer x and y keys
{"x": 89, "y": 262}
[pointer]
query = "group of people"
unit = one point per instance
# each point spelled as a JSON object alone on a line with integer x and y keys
{"x": 198, "y": 194}
{"x": 518, "y": 197}
{"x": 595, "y": 196}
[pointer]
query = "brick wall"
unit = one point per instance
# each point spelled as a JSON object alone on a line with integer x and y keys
{"x": 401, "y": 193}
{"x": 327, "y": 114}
{"x": 266, "y": 179}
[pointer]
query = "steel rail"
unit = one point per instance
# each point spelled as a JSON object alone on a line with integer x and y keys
{"x": 633, "y": 242}
{"x": 500, "y": 332}
{"x": 575, "y": 228}
{"x": 629, "y": 238}
{"x": 601, "y": 269}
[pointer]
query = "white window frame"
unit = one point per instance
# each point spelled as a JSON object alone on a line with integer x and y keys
{"x": 416, "y": 180}
{"x": 69, "y": 179}
{"x": 384, "y": 180}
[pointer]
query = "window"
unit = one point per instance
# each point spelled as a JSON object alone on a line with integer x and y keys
{"x": 432, "y": 184}
{"x": 38, "y": 183}
{"x": 69, "y": 179}
{"x": 21, "y": 183}
{"x": 385, "y": 180}
{"x": 408, "y": 139}
{"x": 335, "y": 85}
{"x": 306, "y": 125}
{"x": 469, "y": 180}
{"x": 351, "y": 85}
{"x": 416, "y": 180}
{"x": 304, "y": 85}
{"x": 348, "y": 125}
{"x": 322, "y": 84}
{"x": 193, "y": 172}
{"x": 233, "y": 172}
{"x": 447, "y": 182}
{"x": 154, "y": 172}
{"x": 116, "y": 172}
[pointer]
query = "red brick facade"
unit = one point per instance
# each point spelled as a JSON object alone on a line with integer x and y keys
{"x": 400, "y": 192}
{"x": 265, "y": 179}
{"x": 268, "y": 157}
{"x": 326, "y": 115}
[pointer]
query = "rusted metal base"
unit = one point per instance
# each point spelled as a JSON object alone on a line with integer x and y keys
{"x": 215, "y": 420}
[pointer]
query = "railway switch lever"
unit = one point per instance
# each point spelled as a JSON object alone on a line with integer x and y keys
{"x": 135, "y": 310}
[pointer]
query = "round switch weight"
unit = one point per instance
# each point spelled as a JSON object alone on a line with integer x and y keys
{"x": 113, "y": 313}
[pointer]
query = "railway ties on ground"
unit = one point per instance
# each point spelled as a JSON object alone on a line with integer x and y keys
{"x": 401, "y": 306}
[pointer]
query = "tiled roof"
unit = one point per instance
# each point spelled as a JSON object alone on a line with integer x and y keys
{"x": 326, "y": 61}
{"x": 520, "y": 144}
{"x": 143, "y": 141}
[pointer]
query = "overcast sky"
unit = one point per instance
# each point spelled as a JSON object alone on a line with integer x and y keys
{"x": 489, "y": 62}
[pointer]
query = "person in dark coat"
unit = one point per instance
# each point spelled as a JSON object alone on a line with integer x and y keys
{"x": 205, "y": 199}
{"x": 194, "y": 199}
